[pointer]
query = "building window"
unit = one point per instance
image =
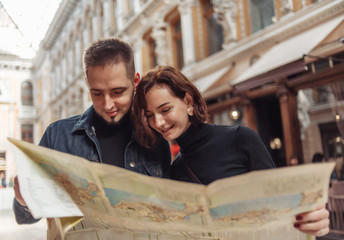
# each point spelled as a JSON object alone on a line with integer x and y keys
{"x": 262, "y": 12}
{"x": 177, "y": 42}
{"x": 152, "y": 60}
{"x": 26, "y": 94}
{"x": 332, "y": 141}
{"x": 320, "y": 95}
{"x": 3, "y": 161}
{"x": 27, "y": 132}
{"x": 213, "y": 30}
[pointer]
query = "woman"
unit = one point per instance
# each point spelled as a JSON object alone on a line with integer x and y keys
{"x": 167, "y": 104}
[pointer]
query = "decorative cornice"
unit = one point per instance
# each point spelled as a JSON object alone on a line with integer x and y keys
{"x": 60, "y": 19}
{"x": 150, "y": 8}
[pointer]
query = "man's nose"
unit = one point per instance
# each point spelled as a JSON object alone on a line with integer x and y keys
{"x": 108, "y": 102}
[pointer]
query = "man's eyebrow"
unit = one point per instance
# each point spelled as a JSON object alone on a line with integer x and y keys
{"x": 117, "y": 88}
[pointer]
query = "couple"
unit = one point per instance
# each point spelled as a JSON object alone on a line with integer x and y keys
{"x": 166, "y": 106}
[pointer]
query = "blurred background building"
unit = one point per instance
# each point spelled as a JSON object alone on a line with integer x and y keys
{"x": 17, "y": 112}
{"x": 276, "y": 66}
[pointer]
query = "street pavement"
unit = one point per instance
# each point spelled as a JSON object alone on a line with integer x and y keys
{"x": 9, "y": 229}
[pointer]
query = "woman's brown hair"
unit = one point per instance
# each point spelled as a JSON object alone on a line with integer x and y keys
{"x": 179, "y": 85}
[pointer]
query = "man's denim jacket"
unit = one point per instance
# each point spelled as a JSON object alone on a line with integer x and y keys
{"x": 77, "y": 136}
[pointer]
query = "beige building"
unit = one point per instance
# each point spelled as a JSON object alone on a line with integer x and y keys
{"x": 265, "y": 64}
{"x": 17, "y": 110}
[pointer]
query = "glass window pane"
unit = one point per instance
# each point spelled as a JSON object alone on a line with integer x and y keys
{"x": 214, "y": 30}
{"x": 262, "y": 12}
{"x": 215, "y": 35}
{"x": 27, "y": 132}
{"x": 177, "y": 33}
{"x": 26, "y": 94}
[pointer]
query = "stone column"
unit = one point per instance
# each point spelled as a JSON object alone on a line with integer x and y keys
{"x": 11, "y": 118}
{"x": 70, "y": 61}
{"x": 64, "y": 73}
{"x": 186, "y": 19}
{"x": 138, "y": 44}
{"x": 77, "y": 55}
{"x": 292, "y": 142}
{"x": 85, "y": 35}
{"x": 95, "y": 25}
{"x": 137, "y": 6}
{"x": 107, "y": 18}
{"x": 121, "y": 14}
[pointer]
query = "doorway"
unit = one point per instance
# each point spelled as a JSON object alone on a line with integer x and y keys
{"x": 269, "y": 126}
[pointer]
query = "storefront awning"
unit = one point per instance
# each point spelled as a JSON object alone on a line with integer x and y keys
{"x": 289, "y": 51}
{"x": 205, "y": 82}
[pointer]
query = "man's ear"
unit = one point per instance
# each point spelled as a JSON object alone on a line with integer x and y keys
{"x": 188, "y": 100}
{"x": 137, "y": 80}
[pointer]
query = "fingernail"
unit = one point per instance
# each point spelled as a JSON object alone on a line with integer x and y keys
{"x": 296, "y": 225}
{"x": 299, "y": 218}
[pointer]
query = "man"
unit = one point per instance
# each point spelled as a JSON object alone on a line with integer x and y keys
{"x": 104, "y": 132}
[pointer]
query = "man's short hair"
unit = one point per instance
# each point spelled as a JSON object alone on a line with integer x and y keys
{"x": 110, "y": 51}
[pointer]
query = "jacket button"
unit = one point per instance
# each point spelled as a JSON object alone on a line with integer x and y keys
{"x": 132, "y": 164}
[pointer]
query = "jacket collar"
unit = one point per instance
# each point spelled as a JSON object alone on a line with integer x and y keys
{"x": 85, "y": 120}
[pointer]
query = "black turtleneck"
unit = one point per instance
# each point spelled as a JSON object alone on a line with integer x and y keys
{"x": 214, "y": 152}
{"x": 113, "y": 139}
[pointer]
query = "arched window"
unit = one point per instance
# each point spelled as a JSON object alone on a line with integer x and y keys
{"x": 26, "y": 93}
{"x": 27, "y": 132}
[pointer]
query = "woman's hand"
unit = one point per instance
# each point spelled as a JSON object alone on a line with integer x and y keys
{"x": 315, "y": 222}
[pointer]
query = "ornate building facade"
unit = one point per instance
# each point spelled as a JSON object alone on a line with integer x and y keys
{"x": 264, "y": 64}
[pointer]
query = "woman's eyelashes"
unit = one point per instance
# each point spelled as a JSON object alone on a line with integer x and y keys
{"x": 162, "y": 111}
{"x": 165, "y": 110}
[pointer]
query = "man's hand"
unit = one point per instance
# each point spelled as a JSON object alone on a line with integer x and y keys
{"x": 17, "y": 193}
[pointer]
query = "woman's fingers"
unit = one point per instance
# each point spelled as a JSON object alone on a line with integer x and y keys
{"x": 315, "y": 222}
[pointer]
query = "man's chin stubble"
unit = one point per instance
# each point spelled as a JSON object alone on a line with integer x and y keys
{"x": 112, "y": 122}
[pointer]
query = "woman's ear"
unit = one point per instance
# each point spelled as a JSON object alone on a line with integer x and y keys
{"x": 137, "y": 80}
{"x": 188, "y": 100}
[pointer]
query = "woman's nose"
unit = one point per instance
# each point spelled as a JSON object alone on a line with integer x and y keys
{"x": 159, "y": 121}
